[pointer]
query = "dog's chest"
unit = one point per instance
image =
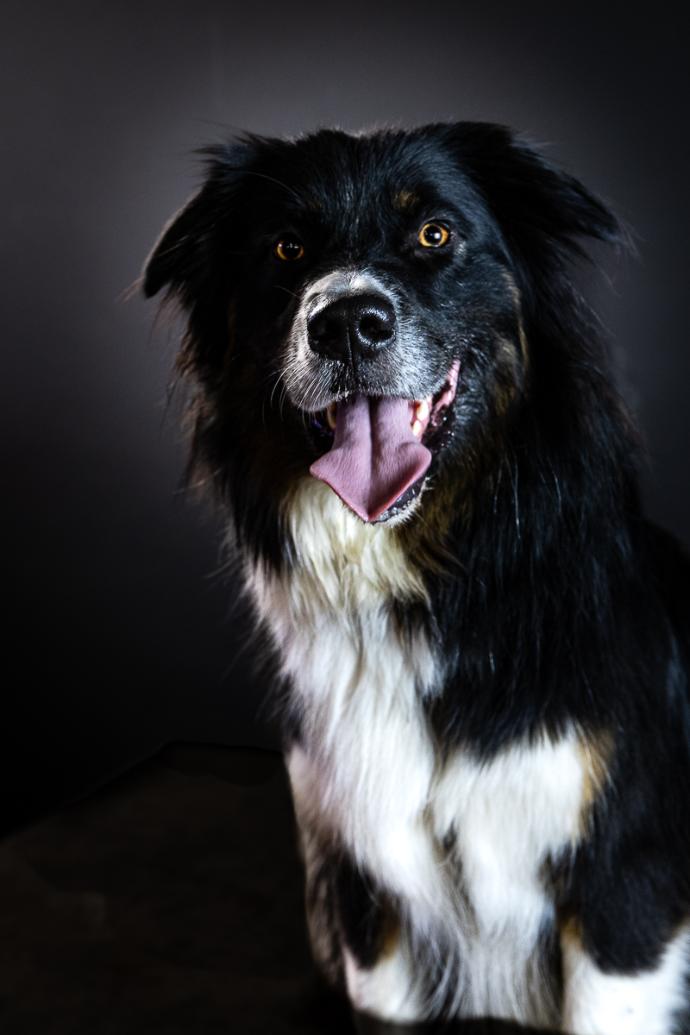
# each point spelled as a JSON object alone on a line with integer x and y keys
{"x": 462, "y": 842}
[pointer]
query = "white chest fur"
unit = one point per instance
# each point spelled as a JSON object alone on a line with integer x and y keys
{"x": 369, "y": 772}
{"x": 357, "y": 685}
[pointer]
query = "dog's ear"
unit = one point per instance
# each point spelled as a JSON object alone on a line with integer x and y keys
{"x": 194, "y": 261}
{"x": 180, "y": 252}
{"x": 184, "y": 254}
{"x": 542, "y": 211}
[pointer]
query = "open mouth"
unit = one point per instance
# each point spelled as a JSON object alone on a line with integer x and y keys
{"x": 381, "y": 447}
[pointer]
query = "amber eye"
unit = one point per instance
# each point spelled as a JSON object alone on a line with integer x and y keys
{"x": 433, "y": 235}
{"x": 289, "y": 248}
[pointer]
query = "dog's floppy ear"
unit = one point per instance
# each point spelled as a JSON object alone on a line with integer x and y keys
{"x": 184, "y": 253}
{"x": 542, "y": 211}
{"x": 180, "y": 252}
{"x": 194, "y": 261}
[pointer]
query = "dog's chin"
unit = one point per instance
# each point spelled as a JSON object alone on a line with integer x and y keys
{"x": 375, "y": 452}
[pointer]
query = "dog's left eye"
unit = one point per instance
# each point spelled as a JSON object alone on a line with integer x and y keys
{"x": 289, "y": 248}
{"x": 433, "y": 235}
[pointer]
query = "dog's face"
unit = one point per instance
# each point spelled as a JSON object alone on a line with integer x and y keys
{"x": 357, "y": 304}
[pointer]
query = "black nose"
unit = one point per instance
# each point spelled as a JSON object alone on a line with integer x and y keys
{"x": 355, "y": 325}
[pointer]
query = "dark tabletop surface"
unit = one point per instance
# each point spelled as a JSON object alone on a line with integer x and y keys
{"x": 169, "y": 902}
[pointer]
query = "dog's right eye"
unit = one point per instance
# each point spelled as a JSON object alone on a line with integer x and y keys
{"x": 289, "y": 248}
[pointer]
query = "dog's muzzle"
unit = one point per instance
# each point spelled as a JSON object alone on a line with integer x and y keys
{"x": 348, "y": 333}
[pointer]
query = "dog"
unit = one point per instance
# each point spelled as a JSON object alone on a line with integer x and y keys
{"x": 403, "y": 404}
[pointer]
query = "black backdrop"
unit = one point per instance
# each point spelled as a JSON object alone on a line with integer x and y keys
{"x": 119, "y": 636}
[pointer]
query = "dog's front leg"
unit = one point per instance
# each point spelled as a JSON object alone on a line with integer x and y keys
{"x": 354, "y": 928}
{"x": 378, "y": 967}
{"x": 624, "y": 999}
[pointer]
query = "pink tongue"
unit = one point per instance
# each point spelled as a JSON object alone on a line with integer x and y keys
{"x": 375, "y": 457}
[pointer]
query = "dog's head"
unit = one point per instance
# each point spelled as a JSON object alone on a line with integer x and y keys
{"x": 367, "y": 308}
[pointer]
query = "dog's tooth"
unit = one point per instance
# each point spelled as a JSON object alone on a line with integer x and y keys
{"x": 422, "y": 410}
{"x": 418, "y": 429}
{"x": 330, "y": 415}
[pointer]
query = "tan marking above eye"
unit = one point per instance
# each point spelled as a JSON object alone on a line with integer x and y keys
{"x": 405, "y": 199}
{"x": 289, "y": 249}
{"x": 433, "y": 235}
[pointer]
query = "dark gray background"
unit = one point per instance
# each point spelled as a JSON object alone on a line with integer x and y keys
{"x": 120, "y": 636}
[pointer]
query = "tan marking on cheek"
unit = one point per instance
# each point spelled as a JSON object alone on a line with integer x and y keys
{"x": 514, "y": 293}
{"x": 503, "y": 399}
{"x": 510, "y": 375}
{"x": 523, "y": 341}
{"x": 405, "y": 200}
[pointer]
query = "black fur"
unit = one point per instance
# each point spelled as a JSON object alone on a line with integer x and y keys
{"x": 553, "y": 600}
{"x": 366, "y": 917}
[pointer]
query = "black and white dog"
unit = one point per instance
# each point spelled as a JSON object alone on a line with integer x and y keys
{"x": 402, "y": 400}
